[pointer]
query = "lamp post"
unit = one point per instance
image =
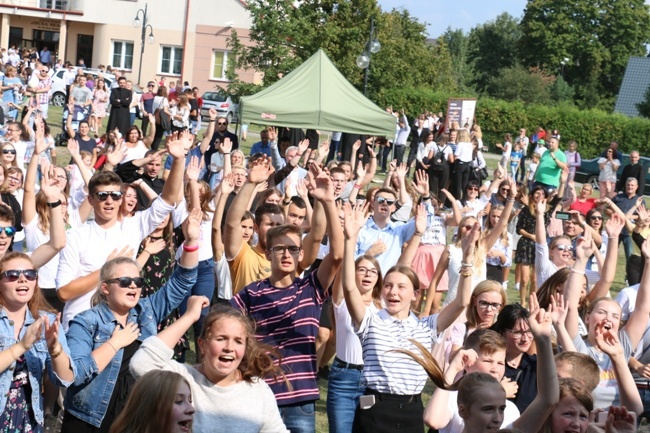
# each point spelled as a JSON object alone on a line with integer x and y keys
{"x": 372, "y": 47}
{"x": 145, "y": 25}
{"x": 563, "y": 62}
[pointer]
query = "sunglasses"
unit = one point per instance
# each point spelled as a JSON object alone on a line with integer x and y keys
{"x": 14, "y": 274}
{"x": 505, "y": 189}
{"x": 564, "y": 247}
{"x": 596, "y": 218}
{"x": 472, "y": 188}
{"x": 7, "y": 151}
{"x": 9, "y": 231}
{"x": 114, "y": 195}
{"x": 222, "y": 123}
{"x": 382, "y": 200}
{"x": 125, "y": 282}
{"x": 280, "y": 249}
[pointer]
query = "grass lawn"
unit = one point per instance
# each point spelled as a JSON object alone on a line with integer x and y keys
{"x": 55, "y": 114}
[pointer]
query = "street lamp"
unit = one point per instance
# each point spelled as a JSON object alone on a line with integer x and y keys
{"x": 372, "y": 47}
{"x": 137, "y": 23}
{"x": 563, "y": 62}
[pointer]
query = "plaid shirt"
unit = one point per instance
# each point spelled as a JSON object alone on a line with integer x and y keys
{"x": 43, "y": 98}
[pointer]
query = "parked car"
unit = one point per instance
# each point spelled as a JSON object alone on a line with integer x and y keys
{"x": 589, "y": 170}
{"x": 58, "y": 86}
{"x": 223, "y": 103}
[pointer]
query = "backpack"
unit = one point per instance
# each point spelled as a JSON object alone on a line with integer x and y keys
{"x": 439, "y": 160}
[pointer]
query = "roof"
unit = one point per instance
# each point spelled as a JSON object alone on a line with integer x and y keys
{"x": 635, "y": 84}
{"x": 316, "y": 95}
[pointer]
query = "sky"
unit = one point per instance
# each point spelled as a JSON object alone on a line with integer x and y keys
{"x": 459, "y": 14}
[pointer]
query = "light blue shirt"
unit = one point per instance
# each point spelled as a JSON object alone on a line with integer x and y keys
{"x": 393, "y": 235}
{"x": 260, "y": 147}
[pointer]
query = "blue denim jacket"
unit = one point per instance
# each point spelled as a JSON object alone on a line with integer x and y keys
{"x": 38, "y": 360}
{"x": 88, "y": 398}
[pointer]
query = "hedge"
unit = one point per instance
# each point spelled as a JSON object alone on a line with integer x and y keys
{"x": 593, "y": 130}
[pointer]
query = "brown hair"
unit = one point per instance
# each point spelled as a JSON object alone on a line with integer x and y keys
{"x": 585, "y": 369}
{"x": 486, "y": 286}
{"x": 206, "y": 197}
{"x": 284, "y": 229}
{"x": 485, "y": 341}
{"x": 259, "y": 358}
{"x": 149, "y": 407}
{"x": 469, "y": 384}
{"x": 103, "y": 178}
{"x": 376, "y": 290}
{"x": 570, "y": 388}
{"x": 489, "y": 228}
{"x": 408, "y": 272}
{"x": 38, "y": 302}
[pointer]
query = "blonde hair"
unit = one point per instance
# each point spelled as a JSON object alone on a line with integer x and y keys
{"x": 486, "y": 286}
{"x": 106, "y": 273}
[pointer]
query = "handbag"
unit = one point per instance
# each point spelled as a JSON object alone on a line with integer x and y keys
{"x": 163, "y": 119}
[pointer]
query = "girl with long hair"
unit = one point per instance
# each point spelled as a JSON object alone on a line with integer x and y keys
{"x": 181, "y": 114}
{"x": 231, "y": 373}
{"x": 499, "y": 257}
{"x": 100, "y": 99}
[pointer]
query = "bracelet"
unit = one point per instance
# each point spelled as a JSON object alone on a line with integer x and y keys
{"x": 190, "y": 249}
{"x": 212, "y": 120}
{"x": 511, "y": 200}
{"x": 612, "y": 237}
{"x": 145, "y": 251}
{"x": 53, "y": 205}
{"x": 226, "y": 153}
{"x": 112, "y": 347}
{"x": 357, "y": 186}
{"x": 56, "y": 352}
{"x": 466, "y": 265}
{"x": 467, "y": 273}
{"x": 575, "y": 271}
{"x": 417, "y": 234}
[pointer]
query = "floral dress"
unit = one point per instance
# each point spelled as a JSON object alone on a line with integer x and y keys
{"x": 157, "y": 271}
{"x": 18, "y": 415}
{"x": 99, "y": 103}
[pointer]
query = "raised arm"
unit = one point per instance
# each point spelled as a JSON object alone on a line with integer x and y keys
{"x": 225, "y": 147}
{"x": 491, "y": 238}
{"x": 174, "y": 182}
{"x": 403, "y": 196}
{"x": 638, "y": 321}
{"x": 457, "y": 213}
{"x": 540, "y": 225}
{"x": 613, "y": 227}
{"x": 45, "y": 252}
{"x": 443, "y": 263}
{"x": 354, "y": 221}
{"x": 151, "y": 134}
{"x": 207, "y": 137}
{"x": 223, "y": 191}
{"x": 29, "y": 197}
{"x": 232, "y": 234}
{"x": 584, "y": 249}
{"x": 408, "y": 254}
{"x": 73, "y": 148}
{"x": 548, "y": 386}
{"x": 68, "y": 121}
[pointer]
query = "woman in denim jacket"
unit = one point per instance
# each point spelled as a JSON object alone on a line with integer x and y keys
{"x": 104, "y": 338}
{"x": 24, "y": 353}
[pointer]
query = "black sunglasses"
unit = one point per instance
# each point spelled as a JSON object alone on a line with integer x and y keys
{"x": 382, "y": 200}
{"x": 14, "y": 274}
{"x": 222, "y": 123}
{"x": 7, "y": 151}
{"x": 9, "y": 231}
{"x": 103, "y": 195}
{"x": 125, "y": 282}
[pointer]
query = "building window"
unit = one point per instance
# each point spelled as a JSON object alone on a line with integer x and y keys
{"x": 219, "y": 65}
{"x": 60, "y": 5}
{"x": 122, "y": 55}
{"x": 171, "y": 60}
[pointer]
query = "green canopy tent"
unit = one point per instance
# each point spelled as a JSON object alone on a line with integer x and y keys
{"x": 317, "y": 96}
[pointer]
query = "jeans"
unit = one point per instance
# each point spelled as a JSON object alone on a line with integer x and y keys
{"x": 131, "y": 119}
{"x": 400, "y": 149}
{"x": 300, "y": 418}
{"x": 204, "y": 286}
{"x": 384, "y": 154}
{"x": 627, "y": 245}
{"x": 345, "y": 387}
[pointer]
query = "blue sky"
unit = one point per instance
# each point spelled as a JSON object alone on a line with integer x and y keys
{"x": 463, "y": 14}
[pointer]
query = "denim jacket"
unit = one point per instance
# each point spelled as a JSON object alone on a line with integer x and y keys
{"x": 87, "y": 399}
{"x": 37, "y": 358}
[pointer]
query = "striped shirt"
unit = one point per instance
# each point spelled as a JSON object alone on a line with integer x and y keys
{"x": 385, "y": 370}
{"x": 287, "y": 318}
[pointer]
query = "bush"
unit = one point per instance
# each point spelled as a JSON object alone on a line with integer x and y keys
{"x": 592, "y": 129}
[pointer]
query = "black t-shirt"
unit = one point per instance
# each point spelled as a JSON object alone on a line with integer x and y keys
{"x": 194, "y": 108}
{"x": 87, "y": 145}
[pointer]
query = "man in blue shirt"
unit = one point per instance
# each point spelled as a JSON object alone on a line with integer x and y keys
{"x": 45, "y": 56}
{"x": 262, "y": 146}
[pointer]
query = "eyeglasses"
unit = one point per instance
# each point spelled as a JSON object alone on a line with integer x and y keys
{"x": 382, "y": 200}
{"x": 472, "y": 188}
{"x": 62, "y": 176}
{"x": 114, "y": 195}
{"x": 9, "y": 151}
{"x": 490, "y": 305}
{"x": 564, "y": 247}
{"x": 125, "y": 282}
{"x": 9, "y": 231}
{"x": 505, "y": 189}
{"x": 518, "y": 335}
{"x": 280, "y": 249}
{"x": 367, "y": 271}
{"x": 468, "y": 227}
{"x": 13, "y": 130}
{"x": 15, "y": 179}
{"x": 596, "y": 218}
{"x": 14, "y": 274}
{"x": 150, "y": 85}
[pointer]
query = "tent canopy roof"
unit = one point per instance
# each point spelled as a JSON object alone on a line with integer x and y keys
{"x": 317, "y": 96}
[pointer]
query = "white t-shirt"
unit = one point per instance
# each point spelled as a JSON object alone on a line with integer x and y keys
{"x": 348, "y": 345}
{"x": 179, "y": 215}
{"x": 464, "y": 152}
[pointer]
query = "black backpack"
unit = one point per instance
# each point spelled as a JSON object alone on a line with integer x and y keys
{"x": 439, "y": 160}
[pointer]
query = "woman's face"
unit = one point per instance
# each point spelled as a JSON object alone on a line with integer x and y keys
{"x": 466, "y": 227}
{"x": 606, "y": 314}
{"x": 8, "y": 154}
{"x": 573, "y": 147}
{"x": 366, "y": 276}
{"x": 495, "y": 215}
{"x": 247, "y": 230}
{"x": 486, "y": 412}
{"x": 163, "y": 224}
{"x": 122, "y": 299}
{"x": 562, "y": 252}
{"x": 519, "y": 338}
{"x": 134, "y": 136}
{"x": 472, "y": 191}
{"x": 236, "y": 158}
{"x": 182, "y": 409}
{"x": 569, "y": 415}
{"x": 87, "y": 161}
{"x": 130, "y": 200}
{"x": 17, "y": 293}
{"x": 538, "y": 196}
{"x": 398, "y": 293}
{"x": 596, "y": 221}
{"x": 60, "y": 177}
{"x": 223, "y": 351}
{"x": 273, "y": 199}
{"x": 488, "y": 305}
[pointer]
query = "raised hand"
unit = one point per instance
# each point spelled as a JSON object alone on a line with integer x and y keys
{"x": 614, "y": 225}
{"x": 124, "y": 252}
{"x": 463, "y": 360}
{"x": 559, "y": 309}
{"x": 272, "y": 133}
{"x": 73, "y": 148}
{"x": 620, "y": 420}
{"x": 225, "y": 146}
{"x": 355, "y": 217}
{"x": 392, "y": 166}
{"x": 193, "y": 170}
{"x": 122, "y": 337}
{"x": 195, "y": 304}
{"x": 372, "y": 152}
{"x": 227, "y": 184}
{"x": 607, "y": 341}
{"x": 301, "y": 189}
{"x": 115, "y": 156}
{"x": 320, "y": 184}
{"x": 303, "y": 146}
{"x": 263, "y": 186}
{"x": 421, "y": 219}
{"x": 324, "y": 149}
{"x": 49, "y": 183}
{"x": 356, "y": 146}
{"x": 361, "y": 170}
{"x": 33, "y": 333}
{"x": 540, "y": 207}
{"x": 401, "y": 170}
{"x": 539, "y": 320}
{"x": 192, "y": 225}
{"x": 152, "y": 118}
{"x": 212, "y": 113}
{"x": 422, "y": 183}
{"x": 260, "y": 170}
{"x": 585, "y": 246}
{"x": 468, "y": 243}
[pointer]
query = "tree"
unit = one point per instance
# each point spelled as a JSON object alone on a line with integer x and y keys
{"x": 492, "y": 47}
{"x": 516, "y": 83}
{"x": 593, "y": 38}
{"x": 644, "y": 107}
{"x": 457, "y": 44}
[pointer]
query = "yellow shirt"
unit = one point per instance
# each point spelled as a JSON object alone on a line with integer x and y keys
{"x": 248, "y": 266}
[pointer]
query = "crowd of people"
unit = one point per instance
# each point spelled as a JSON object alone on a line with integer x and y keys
{"x": 287, "y": 265}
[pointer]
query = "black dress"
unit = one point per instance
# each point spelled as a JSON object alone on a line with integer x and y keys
{"x": 525, "y": 253}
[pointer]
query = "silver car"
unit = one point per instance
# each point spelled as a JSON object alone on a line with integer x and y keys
{"x": 58, "y": 85}
{"x": 223, "y": 103}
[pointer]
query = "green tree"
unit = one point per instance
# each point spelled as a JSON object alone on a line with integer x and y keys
{"x": 492, "y": 47}
{"x": 516, "y": 83}
{"x": 592, "y": 38}
{"x": 457, "y": 44}
{"x": 644, "y": 107}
